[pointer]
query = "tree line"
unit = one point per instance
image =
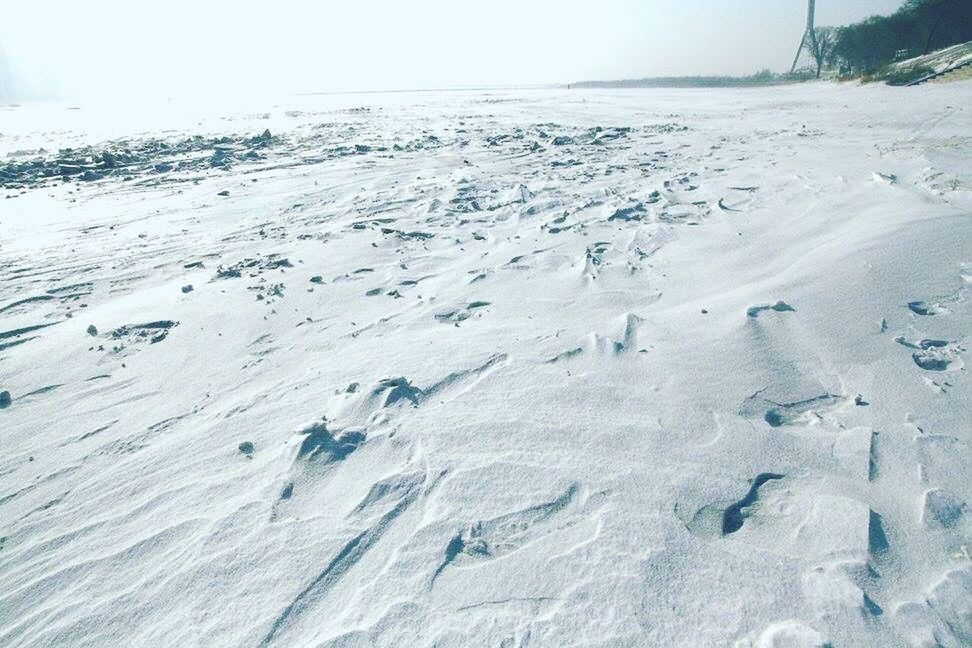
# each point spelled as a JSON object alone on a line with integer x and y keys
{"x": 918, "y": 27}
{"x": 761, "y": 78}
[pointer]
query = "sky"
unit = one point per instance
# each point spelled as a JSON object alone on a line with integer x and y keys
{"x": 118, "y": 48}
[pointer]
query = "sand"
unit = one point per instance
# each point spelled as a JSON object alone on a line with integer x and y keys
{"x": 536, "y": 368}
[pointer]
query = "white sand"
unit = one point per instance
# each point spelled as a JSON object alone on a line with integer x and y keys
{"x": 657, "y": 387}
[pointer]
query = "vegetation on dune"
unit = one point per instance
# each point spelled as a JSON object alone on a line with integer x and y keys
{"x": 899, "y": 77}
{"x": 918, "y": 27}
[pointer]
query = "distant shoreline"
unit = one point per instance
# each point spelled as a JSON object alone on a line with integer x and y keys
{"x": 469, "y": 88}
{"x": 760, "y": 79}
{"x": 757, "y": 80}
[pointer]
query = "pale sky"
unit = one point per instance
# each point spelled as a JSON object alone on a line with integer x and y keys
{"x": 102, "y": 48}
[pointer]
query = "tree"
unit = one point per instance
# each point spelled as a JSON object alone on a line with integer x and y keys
{"x": 825, "y": 47}
{"x": 943, "y": 21}
{"x": 918, "y": 27}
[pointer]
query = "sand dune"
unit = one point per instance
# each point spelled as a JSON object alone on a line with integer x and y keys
{"x": 536, "y": 368}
